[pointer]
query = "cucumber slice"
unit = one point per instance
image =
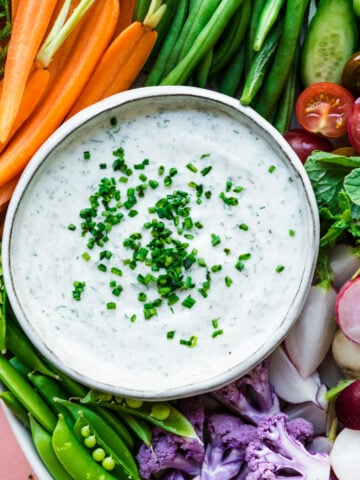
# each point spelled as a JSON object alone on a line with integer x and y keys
{"x": 329, "y": 42}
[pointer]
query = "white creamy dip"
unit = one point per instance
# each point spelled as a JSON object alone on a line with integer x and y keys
{"x": 104, "y": 335}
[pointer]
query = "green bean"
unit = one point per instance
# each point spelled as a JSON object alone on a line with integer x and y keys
{"x": 23, "y": 349}
{"x": 276, "y": 79}
{"x": 15, "y": 406}
{"x": 202, "y": 70}
{"x": 259, "y": 66}
{"x": 236, "y": 33}
{"x": 269, "y": 15}
{"x": 163, "y": 27}
{"x": 43, "y": 445}
{"x": 256, "y": 8}
{"x": 285, "y": 108}
{"x": 159, "y": 64}
{"x": 174, "y": 421}
{"x": 141, "y": 9}
{"x": 26, "y": 395}
{"x": 3, "y": 301}
{"x": 106, "y": 436}
{"x": 138, "y": 426}
{"x": 232, "y": 77}
{"x": 75, "y": 459}
{"x": 205, "y": 41}
{"x": 174, "y": 55}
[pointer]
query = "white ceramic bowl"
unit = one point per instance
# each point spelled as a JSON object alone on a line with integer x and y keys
{"x": 267, "y": 251}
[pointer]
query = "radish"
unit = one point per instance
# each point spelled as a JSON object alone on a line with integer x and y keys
{"x": 347, "y": 405}
{"x": 344, "y": 261}
{"x": 348, "y": 309}
{"x": 345, "y": 454}
{"x": 346, "y": 355}
{"x": 310, "y": 338}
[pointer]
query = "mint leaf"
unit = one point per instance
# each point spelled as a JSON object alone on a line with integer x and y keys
{"x": 352, "y": 185}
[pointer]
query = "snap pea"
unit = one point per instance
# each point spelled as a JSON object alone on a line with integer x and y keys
{"x": 138, "y": 426}
{"x": 204, "y": 41}
{"x": 23, "y": 391}
{"x": 17, "y": 408}
{"x": 259, "y": 66}
{"x": 235, "y": 34}
{"x": 276, "y": 79}
{"x": 268, "y": 17}
{"x": 73, "y": 456}
{"x": 172, "y": 35}
{"x": 22, "y": 348}
{"x": 192, "y": 16}
{"x": 2, "y": 310}
{"x": 169, "y": 419}
{"x": 43, "y": 445}
{"x": 232, "y": 76}
{"x": 106, "y": 436}
{"x": 20, "y": 367}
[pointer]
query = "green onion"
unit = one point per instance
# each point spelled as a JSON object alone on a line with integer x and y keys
{"x": 271, "y": 168}
{"x": 243, "y": 226}
{"x": 111, "y": 305}
{"x": 188, "y": 302}
{"x": 206, "y": 170}
{"x": 191, "y": 167}
{"x": 189, "y": 343}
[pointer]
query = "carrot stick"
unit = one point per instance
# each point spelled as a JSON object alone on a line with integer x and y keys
{"x": 30, "y": 24}
{"x": 6, "y": 191}
{"x": 34, "y": 91}
{"x": 127, "y": 8}
{"x": 14, "y": 7}
{"x": 119, "y": 66}
{"x": 98, "y": 27}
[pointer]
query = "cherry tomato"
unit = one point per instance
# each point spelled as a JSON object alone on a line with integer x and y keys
{"x": 304, "y": 142}
{"x": 354, "y": 125}
{"x": 323, "y": 108}
{"x": 351, "y": 74}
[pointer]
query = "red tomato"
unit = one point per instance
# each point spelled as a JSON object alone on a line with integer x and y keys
{"x": 324, "y": 108}
{"x": 304, "y": 142}
{"x": 354, "y": 125}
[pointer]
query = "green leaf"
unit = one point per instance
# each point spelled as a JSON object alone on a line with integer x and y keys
{"x": 333, "y": 158}
{"x": 352, "y": 185}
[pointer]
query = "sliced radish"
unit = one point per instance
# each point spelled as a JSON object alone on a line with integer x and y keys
{"x": 310, "y": 338}
{"x": 344, "y": 261}
{"x": 345, "y": 454}
{"x": 348, "y": 309}
{"x": 347, "y": 406}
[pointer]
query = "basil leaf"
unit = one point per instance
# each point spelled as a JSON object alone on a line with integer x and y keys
{"x": 352, "y": 185}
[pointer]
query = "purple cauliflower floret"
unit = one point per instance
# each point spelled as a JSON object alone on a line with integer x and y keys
{"x": 175, "y": 475}
{"x": 277, "y": 455}
{"x": 173, "y": 452}
{"x": 251, "y": 396}
{"x": 226, "y": 446}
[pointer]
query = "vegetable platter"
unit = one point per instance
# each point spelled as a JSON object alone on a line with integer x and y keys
{"x": 296, "y": 62}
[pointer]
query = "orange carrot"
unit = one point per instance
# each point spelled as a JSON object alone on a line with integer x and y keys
{"x": 30, "y": 24}
{"x": 14, "y": 7}
{"x": 126, "y": 17}
{"x": 5, "y": 193}
{"x": 119, "y": 66}
{"x": 34, "y": 91}
{"x": 98, "y": 26}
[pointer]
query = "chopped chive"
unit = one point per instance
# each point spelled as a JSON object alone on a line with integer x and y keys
{"x": 105, "y": 254}
{"x": 292, "y": 233}
{"x": 191, "y": 167}
{"x": 79, "y": 287}
{"x": 227, "y": 251}
{"x": 161, "y": 170}
{"x": 279, "y": 268}
{"x": 102, "y": 267}
{"x": 239, "y": 266}
{"x": 133, "y": 318}
{"x": 102, "y": 166}
{"x": 111, "y": 305}
{"x": 201, "y": 262}
{"x": 167, "y": 181}
{"x": 153, "y": 184}
{"x": 123, "y": 179}
{"x": 206, "y": 170}
{"x": 72, "y": 227}
{"x": 208, "y": 194}
{"x": 215, "y": 323}
{"x": 142, "y": 297}
{"x": 243, "y": 226}
{"x": 113, "y": 121}
{"x": 189, "y": 343}
{"x": 228, "y": 281}
{"x": 245, "y": 256}
{"x": 271, "y": 168}
{"x": 216, "y": 268}
{"x": 170, "y": 335}
{"x": 238, "y": 189}
{"x": 86, "y": 256}
{"x": 228, "y": 186}
{"x": 217, "y": 333}
{"x": 215, "y": 240}
{"x": 86, "y": 155}
{"x": 116, "y": 271}
{"x": 173, "y": 171}
{"x": 132, "y": 213}
{"x": 188, "y": 302}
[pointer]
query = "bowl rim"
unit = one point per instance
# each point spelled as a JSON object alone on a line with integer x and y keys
{"x": 117, "y": 101}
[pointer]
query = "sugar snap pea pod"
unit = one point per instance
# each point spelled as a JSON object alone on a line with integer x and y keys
{"x": 268, "y": 17}
{"x": 171, "y": 37}
{"x": 73, "y": 456}
{"x": 285, "y": 108}
{"x": 204, "y": 41}
{"x": 230, "y": 45}
{"x": 20, "y": 367}
{"x": 15, "y": 406}
{"x": 138, "y": 426}
{"x": 256, "y": 8}
{"x": 162, "y": 414}
{"x": 259, "y": 66}
{"x": 192, "y": 17}
{"x": 105, "y": 435}
{"x": 22, "y": 348}
{"x": 24, "y": 392}
{"x": 284, "y": 58}
{"x": 233, "y": 75}
{"x": 43, "y": 445}
{"x": 141, "y": 9}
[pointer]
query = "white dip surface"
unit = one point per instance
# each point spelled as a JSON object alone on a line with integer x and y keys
{"x": 268, "y": 228}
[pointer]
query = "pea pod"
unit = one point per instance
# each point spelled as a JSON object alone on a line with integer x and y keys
{"x": 26, "y": 395}
{"x": 138, "y": 426}
{"x": 17, "y": 408}
{"x": 73, "y": 456}
{"x": 43, "y": 445}
{"x": 106, "y": 436}
{"x": 162, "y": 414}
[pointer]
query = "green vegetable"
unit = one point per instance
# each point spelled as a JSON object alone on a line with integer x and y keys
{"x": 331, "y": 39}
{"x": 268, "y": 17}
{"x": 336, "y": 183}
{"x": 5, "y": 32}
{"x": 15, "y": 406}
{"x": 356, "y": 7}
